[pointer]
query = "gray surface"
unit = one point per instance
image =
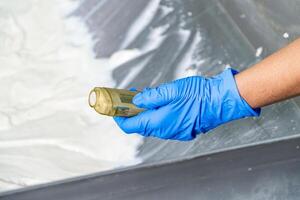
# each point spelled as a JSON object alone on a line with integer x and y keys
{"x": 227, "y": 38}
{"x": 269, "y": 171}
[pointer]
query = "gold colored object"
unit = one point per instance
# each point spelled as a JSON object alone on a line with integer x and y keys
{"x": 113, "y": 102}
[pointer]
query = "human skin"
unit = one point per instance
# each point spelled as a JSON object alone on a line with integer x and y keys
{"x": 274, "y": 79}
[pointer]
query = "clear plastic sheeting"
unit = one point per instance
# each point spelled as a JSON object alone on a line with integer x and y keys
{"x": 196, "y": 37}
{"x": 154, "y": 41}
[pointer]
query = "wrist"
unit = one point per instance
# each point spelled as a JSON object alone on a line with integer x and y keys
{"x": 226, "y": 103}
{"x": 239, "y": 104}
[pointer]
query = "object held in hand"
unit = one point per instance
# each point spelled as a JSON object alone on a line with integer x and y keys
{"x": 113, "y": 102}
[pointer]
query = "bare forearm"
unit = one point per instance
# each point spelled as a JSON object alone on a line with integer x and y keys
{"x": 274, "y": 79}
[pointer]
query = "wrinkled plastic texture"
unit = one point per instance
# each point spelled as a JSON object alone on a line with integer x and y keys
{"x": 206, "y": 36}
{"x": 203, "y": 37}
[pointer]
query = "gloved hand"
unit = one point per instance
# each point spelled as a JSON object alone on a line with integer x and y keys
{"x": 183, "y": 108}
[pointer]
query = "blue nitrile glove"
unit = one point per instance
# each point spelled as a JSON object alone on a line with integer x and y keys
{"x": 183, "y": 108}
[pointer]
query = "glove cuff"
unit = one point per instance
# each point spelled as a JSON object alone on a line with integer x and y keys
{"x": 242, "y": 108}
{"x": 226, "y": 104}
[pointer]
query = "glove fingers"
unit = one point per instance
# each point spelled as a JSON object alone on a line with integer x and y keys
{"x": 135, "y": 124}
{"x": 151, "y": 98}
